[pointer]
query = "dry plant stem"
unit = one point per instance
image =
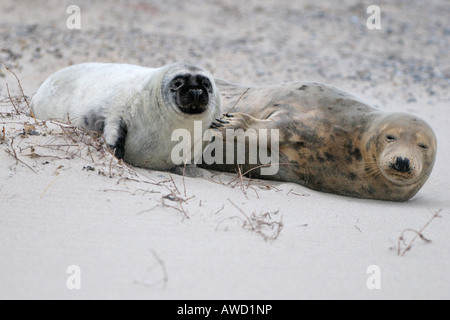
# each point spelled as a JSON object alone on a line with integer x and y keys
{"x": 418, "y": 234}
{"x": 12, "y": 101}
{"x": 163, "y": 268}
{"x": 67, "y": 134}
{"x": 228, "y": 184}
{"x": 216, "y": 182}
{"x": 240, "y": 98}
{"x": 90, "y": 154}
{"x": 255, "y": 224}
{"x": 153, "y": 182}
{"x": 180, "y": 209}
{"x": 255, "y": 168}
{"x": 184, "y": 182}
{"x": 220, "y": 210}
{"x": 3, "y": 138}
{"x": 268, "y": 165}
{"x": 173, "y": 197}
{"x": 241, "y": 211}
{"x": 161, "y": 264}
{"x": 110, "y": 167}
{"x": 301, "y": 195}
{"x": 36, "y": 155}
{"x": 173, "y": 182}
{"x": 242, "y": 182}
{"x": 148, "y": 210}
{"x": 20, "y": 88}
{"x": 12, "y": 152}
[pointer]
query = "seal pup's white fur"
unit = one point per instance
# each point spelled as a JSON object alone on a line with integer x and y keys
{"x": 126, "y": 102}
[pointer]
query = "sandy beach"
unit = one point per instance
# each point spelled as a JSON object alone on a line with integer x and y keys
{"x": 132, "y": 233}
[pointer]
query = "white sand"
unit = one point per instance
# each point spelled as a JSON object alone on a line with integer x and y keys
{"x": 121, "y": 231}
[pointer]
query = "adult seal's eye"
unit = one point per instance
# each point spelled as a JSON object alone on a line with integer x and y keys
{"x": 177, "y": 84}
{"x": 423, "y": 146}
{"x": 391, "y": 138}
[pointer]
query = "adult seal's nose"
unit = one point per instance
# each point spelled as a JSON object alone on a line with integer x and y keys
{"x": 402, "y": 165}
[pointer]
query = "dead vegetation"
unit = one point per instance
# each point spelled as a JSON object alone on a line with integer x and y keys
{"x": 244, "y": 183}
{"x": 263, "y": 224}
{"x": 402, "y": 247}
{"x": 153, "y": 270}
{"x": 16, "y": 101}
{"x": 3, "y": 136}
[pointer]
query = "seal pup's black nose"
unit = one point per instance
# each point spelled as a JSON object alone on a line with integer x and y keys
{"x": 402, "y": 165}
{"x": 196, "y": 95}
{"x": 193, "y": 94}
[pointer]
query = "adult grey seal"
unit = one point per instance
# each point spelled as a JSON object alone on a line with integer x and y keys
{"x": 332, "y": 141}
{"x": 136, "y": 108}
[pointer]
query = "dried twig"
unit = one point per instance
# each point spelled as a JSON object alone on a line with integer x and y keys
{"x": 174, "y": 184}
{"x": 12, "y": 152}
{"x": 240, "y": 210}
{"x": 172, "y": 196}
{"x": 3, "y": 137}
{"x": 184, "y": 182}
{"x": 240, "y": 98}
{"x": 20, "y": 87}
{"x": 161, "y": 264}
{"x": 242, "y": 182}
{"x": 12, "y": 101}
{"x": 148, "y": 210}
{"x": 48, "y": 187}
{"x": 131, "y": 193}
{"x": 260, "y": 224}
{"x": 418, "y": 234}
{"x": 163, "y": 268}
{"x": 180, "y": 209}
{"x": 217, "y": 212}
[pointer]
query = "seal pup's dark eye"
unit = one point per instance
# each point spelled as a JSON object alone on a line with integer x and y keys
{"x": 206, "y": 84}
{"x": 423, "y": 146}
{"x": 177, "y": 84}
{"x": 391, "y": 138}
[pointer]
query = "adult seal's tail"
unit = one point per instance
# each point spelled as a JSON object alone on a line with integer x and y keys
{"x": 332, "y": 141}
{"x": 136, "y": 108}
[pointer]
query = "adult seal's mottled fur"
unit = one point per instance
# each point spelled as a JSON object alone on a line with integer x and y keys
{"x": 332, "y": 141}
{"x": 136, "y": 108}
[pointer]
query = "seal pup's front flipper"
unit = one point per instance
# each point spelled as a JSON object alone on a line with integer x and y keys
{"x": 120, "y": 136}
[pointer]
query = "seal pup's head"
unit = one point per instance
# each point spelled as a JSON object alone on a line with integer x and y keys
{"x": 402, "y": 150}
{"x": 190, "y": 90}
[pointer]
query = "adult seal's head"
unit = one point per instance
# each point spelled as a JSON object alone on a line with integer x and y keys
{"x": 400, "y": 152}
{"x": 189, "y": 90}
